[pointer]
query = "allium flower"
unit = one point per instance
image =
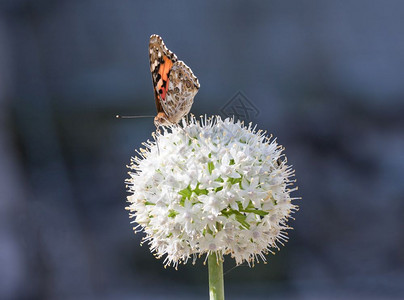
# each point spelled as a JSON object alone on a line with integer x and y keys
{"x": 212, "y": 186}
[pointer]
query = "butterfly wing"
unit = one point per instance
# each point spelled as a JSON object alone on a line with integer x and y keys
{"x": 161, "y": 62}
{"x": 182, "y": 88}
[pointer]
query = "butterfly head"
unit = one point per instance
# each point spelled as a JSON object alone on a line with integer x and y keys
{"x": 161, "y": 120}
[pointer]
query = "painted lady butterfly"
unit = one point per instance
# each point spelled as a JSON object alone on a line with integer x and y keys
{"x": 175, "y": 86}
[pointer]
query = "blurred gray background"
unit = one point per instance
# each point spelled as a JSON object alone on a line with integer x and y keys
{"x": 326, "y": 78}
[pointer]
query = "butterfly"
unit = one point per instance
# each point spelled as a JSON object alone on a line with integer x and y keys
{"x": 174, "y": 84}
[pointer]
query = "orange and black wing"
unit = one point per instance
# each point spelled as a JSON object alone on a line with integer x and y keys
{"x": 161, "y": 62}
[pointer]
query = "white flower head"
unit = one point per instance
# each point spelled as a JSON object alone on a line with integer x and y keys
{"x": 212, "y": 186}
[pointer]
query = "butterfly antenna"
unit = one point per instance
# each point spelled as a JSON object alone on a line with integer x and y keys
{"x": 132, "y": 117}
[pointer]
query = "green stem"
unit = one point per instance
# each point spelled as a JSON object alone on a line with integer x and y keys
{"x": 216, "y": 286}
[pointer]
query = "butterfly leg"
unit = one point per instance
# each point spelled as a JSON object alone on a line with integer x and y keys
{"x": 185, "y": 132}
{"x": 155, "y": 136}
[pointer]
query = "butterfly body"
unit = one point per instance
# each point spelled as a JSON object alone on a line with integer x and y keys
{"x": 175, "y": 86}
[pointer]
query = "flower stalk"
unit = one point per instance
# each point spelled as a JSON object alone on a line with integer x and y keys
{"x": 215, "y": 269}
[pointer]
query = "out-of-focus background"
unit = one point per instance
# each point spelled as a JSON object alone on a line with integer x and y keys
{"x": 326, "y": 78}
